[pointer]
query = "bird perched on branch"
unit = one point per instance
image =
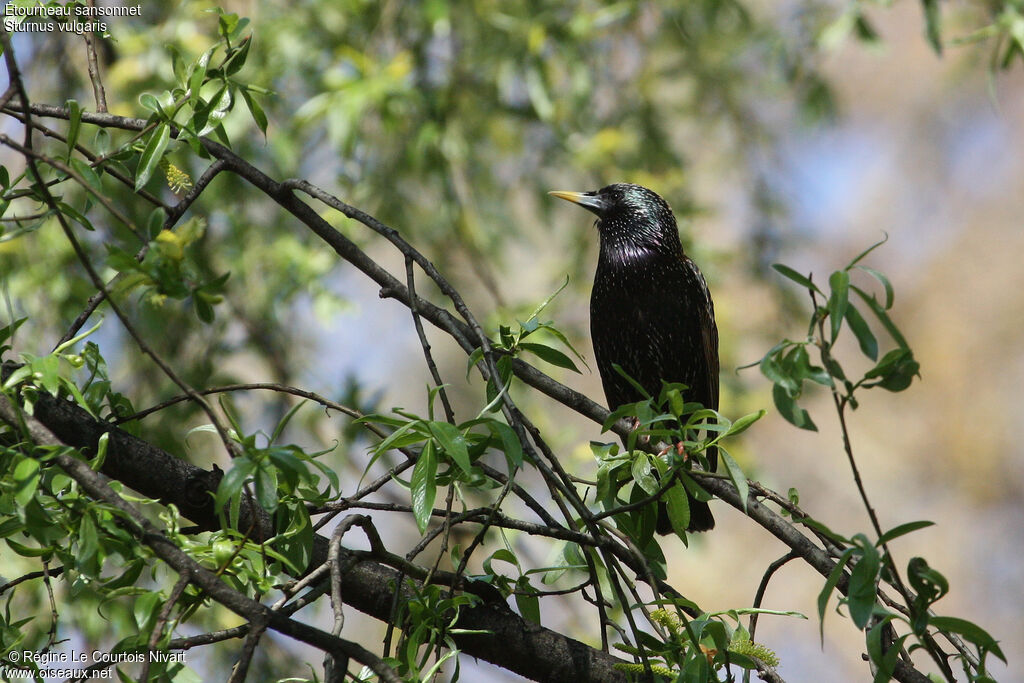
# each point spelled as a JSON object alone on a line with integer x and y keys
{"x": 650, "y": 310}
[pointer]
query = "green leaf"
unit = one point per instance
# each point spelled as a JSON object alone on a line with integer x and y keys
{"x": 772, "y": 368}
{"x": 453, "y": 443}
{"x": 74, "y": 124}
{"x": 859, "y": 327}
{"x": 144, "y": 609}
{"x": 796, "y": 277}
{"x": 929, "y": 584}
{"x": 7, "y": 331}
{"x": 736, "y": 475}
{"x": 793, "y": 413}
{"x": 643, "y": 474}
{"x": 88, "y": 546}
{"x": 880, "y": 276}
{"x": 549, "y": 354}
{"x": 557, "y": 334}
{"x": 203, "y": 309}
{"x": 830, "y": 585}
{"x": 857, "y": 259}
{"x": 152, "y": 154}
{"x": 741, "y": 425}
{"x": 839, "y": 282}
{"x": 865, "y": 31}
{"x": 797, "y": 364}
{"x": 102, "y": 142}
{"x": 527, "y": 600}
{"x": 932, "y": 21}
{"x": 209, "y": 117}
{"x": 198, "y": 77}
{"x": 155, "y": 222}
{"x": 474, "y": 358}
{"x": 902, "y": 529}
{"x": 258, "y": 115}
{"x": 231, "y": 484}
{"x": 677, "y": 505}
{"x": 636, "y": 385}
{"x": 237, "y": 60}
{"x": 970, "y": 631}
{"x": 885, "y": 662}
{"x": 88, "y": 174}
{"x": 675, "y": 401}
{"x": 26, "y": 480}
{"x": 895, "y": 371}
{"x": 423, "y": 487}
{"x": 150, "y": 102}
{"x": 74, "y": 214}
{"x": 509, "y": 443}
{"x": 401, "y": 437}
{"x": 862, "y": 592}
{"x": 882, "y": 316}
{"x": 266, "y": 485}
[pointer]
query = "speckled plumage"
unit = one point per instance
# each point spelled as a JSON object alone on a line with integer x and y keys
{"x": 650, "y": 309}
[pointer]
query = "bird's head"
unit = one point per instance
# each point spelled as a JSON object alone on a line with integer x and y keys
{"x": 630, "y": 218}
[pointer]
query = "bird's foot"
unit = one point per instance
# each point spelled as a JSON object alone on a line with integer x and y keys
{"x": 680, "y": 449}
{"x": 635, "y": 425}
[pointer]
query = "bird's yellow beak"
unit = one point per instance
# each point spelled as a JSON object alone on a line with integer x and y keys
{"x": 588, "y": 200}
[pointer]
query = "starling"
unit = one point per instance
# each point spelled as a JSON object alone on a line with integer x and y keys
{"x": 650, "y": 310}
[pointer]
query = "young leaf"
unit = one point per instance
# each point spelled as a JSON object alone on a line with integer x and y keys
{"x": 424, "y": 486}
{"x": 830, "y": 585}
{"x": 26, "y": 480}
{"x": 897, "y": 370}
{"x": 859, "y": 327}
{"x": 902, "y": 529}
{"x": 928, "y": 583}
{"x": 793, "y": 413}
{"x": 636, "y": 385}
{"x": 839, "y": 282}
{"x": 527, "y": 600}
{"x": 453, "y": 443}
{"x": 152, "y": 154}
{"x": 677, "y": 505}
{"x": 885, "y": 661}
{"x": 74, "y": 124}
{"x": 857, "y": 259}
{"x": 863, "y": 585}
{"x": 796, "y": 277}
{"x": 881, "y": 277}
{"x": 970, "y": 631}
{"x": 643, "y": 474}
{"x": 551, "y": 355}
{"x": 509, "y": 443}
{"x": 258, "y": 115}
{"x": 736, "y": 475}
{"x": 882, "y": 316}
{"x": 741, "y": 425}
{"x": 932, "y": 20}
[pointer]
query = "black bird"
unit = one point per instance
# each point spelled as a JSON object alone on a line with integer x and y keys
{"x": 650, "y": 310}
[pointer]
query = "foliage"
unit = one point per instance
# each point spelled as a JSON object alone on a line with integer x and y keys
{"x": 436, "y": 112}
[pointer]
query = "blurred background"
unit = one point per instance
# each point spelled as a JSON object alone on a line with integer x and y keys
{"x": 794, "y": 132}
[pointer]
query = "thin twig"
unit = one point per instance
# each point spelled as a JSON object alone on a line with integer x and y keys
{"x": 161, "y": 621}
{"x": 763, "y": 586}
{"x": 256, "y": 628}
{"x": 94, "y": 68}
{"x": 410, "y": 279}
{"x": 840, "y": 402}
